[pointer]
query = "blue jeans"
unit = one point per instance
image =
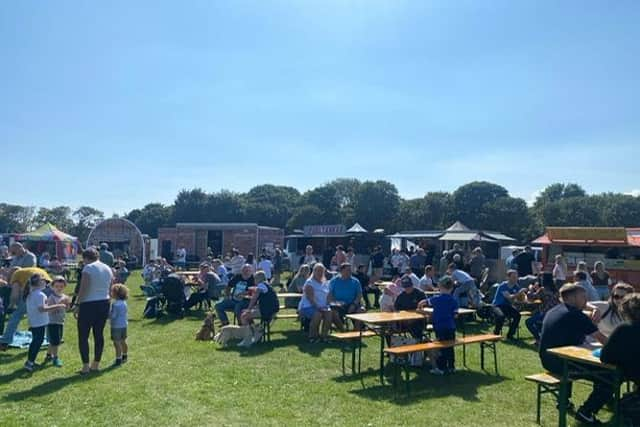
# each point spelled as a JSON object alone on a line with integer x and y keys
{"x": 534, "y": 324}
{"x": 467, "y": 291}
{"x": 14, "y": 320}
{"x": 603, "y": 292}
{"x": 230, "y": 305}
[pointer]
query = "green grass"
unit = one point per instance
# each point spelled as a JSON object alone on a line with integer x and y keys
{"x": 173, "y": 380}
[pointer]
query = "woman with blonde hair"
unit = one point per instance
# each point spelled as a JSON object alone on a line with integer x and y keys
{"x": 314, "y": 305}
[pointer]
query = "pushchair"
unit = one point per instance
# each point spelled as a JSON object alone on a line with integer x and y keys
{"x": 173, "y": 297}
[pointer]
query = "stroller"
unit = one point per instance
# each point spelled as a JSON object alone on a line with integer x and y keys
{"x": 167, "y": 295}
{"x": 173, "y": 295}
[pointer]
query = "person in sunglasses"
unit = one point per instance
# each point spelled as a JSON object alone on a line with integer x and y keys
{"x": 610, "y": 312}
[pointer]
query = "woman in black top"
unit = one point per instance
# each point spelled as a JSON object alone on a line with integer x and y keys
{"x": 600, "y": 280}
{"x": 623, "y": 347}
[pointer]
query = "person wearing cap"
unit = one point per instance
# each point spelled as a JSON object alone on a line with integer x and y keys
{"x": 445, "y": 309}
{"x": 18, "y": 280}
{"x": 408, "y": 300}
{"x": 567, "y": 325}
{"x": 22, "y": 257}
{"x": 345, "y": 292}
{"x": 106, "y": 257}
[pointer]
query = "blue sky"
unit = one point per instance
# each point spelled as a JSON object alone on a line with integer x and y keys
{"x": 117, "y": 104}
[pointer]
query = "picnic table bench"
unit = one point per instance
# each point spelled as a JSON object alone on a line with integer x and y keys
{"x": 402, "y": 353}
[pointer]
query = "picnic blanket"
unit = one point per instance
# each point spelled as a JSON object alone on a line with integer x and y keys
{"x": 22, "y": 339}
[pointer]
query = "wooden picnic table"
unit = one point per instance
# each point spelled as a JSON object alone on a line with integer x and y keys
{"x": 574, "y": 359}
{"x": 187, "y": 272}
{"x": 382, "y": 322}
{"x": 289, "y": 295}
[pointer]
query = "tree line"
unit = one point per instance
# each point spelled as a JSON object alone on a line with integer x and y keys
{"x": 374, "y": 204}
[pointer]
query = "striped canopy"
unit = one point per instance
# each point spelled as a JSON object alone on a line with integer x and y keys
{"x": 47, "y": 232}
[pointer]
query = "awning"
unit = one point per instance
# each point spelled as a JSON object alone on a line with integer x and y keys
{"x": 416, "y": 235}
{"x": 498, "y": 236}
{"x": 357, "y": 228}
{"x": 458, "y": 226}
{"x": 463, "y": 237}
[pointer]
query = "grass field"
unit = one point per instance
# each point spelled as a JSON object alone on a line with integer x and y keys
{"x": 173, "y": 380}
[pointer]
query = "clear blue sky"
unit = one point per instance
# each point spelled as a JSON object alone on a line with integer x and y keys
{"x": 116, "y": 104}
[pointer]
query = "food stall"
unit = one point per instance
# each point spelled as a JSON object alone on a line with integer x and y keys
{"x": 617, "y": 247}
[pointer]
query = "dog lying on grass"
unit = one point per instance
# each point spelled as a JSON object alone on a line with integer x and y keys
{"x": 248, "y": 335}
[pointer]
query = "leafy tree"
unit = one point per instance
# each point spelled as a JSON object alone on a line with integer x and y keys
{"x": 59, "y": 216}
{"x": 469, "y": 200}
{"x": 376, "y": 205}
{"x": 327, "y": 200}
{"x": 225, "y": 206}
{"x": 271, "y": 205}
{"x": 305, "y": 215}
{"x": 86, "y": 218}
{"x": 15, "y": 218}
{"x": 508, "y": 215}
{"x": 191, "y": 206}
{"x": 151, "y": 217}
{"x": 431, "y": 212}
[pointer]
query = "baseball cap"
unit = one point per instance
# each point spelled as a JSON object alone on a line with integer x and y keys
{"x": 406, "y": 282}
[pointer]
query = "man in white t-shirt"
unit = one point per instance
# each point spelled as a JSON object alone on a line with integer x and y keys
{"x": 181, "y": 258}
{"x": 265, "y": 265}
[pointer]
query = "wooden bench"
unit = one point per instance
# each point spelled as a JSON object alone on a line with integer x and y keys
{"x": 547, "y": 383}
{"x": 350, "y": 343}
{"x": 402, "y": 353}
{"x": 523, "y": 313}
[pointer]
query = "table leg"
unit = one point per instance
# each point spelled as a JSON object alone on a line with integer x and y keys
{"x": 563, "y": 398}
{"x": 616, "y": 421}
{"x": 382, "y": 334}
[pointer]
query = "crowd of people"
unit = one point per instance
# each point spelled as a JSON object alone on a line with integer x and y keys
{"x": 98, "y": 298}
{"x": 589, "y": 309}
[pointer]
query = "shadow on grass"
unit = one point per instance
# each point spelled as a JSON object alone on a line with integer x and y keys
{"x": 463, "y": 384}
{"x": 47, "y": 387}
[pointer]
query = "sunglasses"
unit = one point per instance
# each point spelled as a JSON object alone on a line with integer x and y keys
{"x": 618, "y": 296}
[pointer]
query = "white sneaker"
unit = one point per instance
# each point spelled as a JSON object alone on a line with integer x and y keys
{"x": 436, "y": 371}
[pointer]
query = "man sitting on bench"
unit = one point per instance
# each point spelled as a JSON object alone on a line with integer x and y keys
{"x": 408, "y": 300}
{"x": 345, "y": 293}
{"x": 506, "y": 294}
{"x": 565, "y": 325}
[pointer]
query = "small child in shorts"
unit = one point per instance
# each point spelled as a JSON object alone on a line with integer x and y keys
{"x": 119, "y": 322}
{"x": 56, "y": 319}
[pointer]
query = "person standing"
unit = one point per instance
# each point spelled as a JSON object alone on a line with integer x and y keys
{"x": 181, "y": 258}
{"x": 601, "y": 280}
{"x": 277, "y": 266}
{"x": 93, "y": 307}
{"x": 525, "y": 262}
{"x": 559, "y": 271}
{"x": 377, "y": 263}
{"x": 476, "y": 264}
{"x": 106, "y": 257}
{"x": 418, "y": 261}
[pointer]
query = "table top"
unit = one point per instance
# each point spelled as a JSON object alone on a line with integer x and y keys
{"x": 383, "y": 283}
{"x": 579, "y": 354}
{"x": 386, "y": 317}
{"x": 289, "y": 295}
{"x": 461, "y": 311}
{"x": 187, "y": 273}
{"x": 431, "y": 292}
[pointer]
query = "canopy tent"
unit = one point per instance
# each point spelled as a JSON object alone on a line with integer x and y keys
{"x": 66, "y": 245}
{"x": 357, "y": 228}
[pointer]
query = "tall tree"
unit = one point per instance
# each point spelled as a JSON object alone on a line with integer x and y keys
{"x": 226, "y": 206}
{"x": 191, "y": 206}
{"x": 327, "y": 200}
{"x": 509, "y": 215}
{"x": 15, "y": 218}
{"x": 469, "y": 201}
{"x": 271, "y": 205}
{"x": 151, "y": 217}
{"x": 86, "y": 218}
{"x": 376, "y": 205}
{"x": 60, "y": 216}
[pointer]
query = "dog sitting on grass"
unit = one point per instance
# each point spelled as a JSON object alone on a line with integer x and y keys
{"x": 207, "y": 331}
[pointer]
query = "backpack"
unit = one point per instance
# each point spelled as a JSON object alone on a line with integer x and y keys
{"x": 268, "y": 304}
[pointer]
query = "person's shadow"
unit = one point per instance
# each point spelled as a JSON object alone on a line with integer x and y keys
{"x": 46, "y": 387}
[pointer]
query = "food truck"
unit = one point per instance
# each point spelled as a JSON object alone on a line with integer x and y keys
{"x": 617, "y": 247}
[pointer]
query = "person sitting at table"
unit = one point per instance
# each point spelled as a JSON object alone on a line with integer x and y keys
{"x": 583, "y": 280}
{"x": 389, "y": 294}
{"x": 546, "y": 292}
{"x": 609, "y": 313}
{"x": 235, "y": 293}
{"x": 202, "y": 283}
{"x": 408, "y": 272}
{"x": 44, "y": 260}
{"x": 445, "y": 309}
{"x": 55, "y": 266}
{"x": 566, "y": 325}
{"x": 345, "y": 293}
{"x": 623, "y": 347}
{"x": 314, "y": 306}
{"x": 408, "y": 300}
{"x": 263, "y": 303}
{"x": 506, "y": 295}
{"x": 296, "y": 286}
{"x": 427, "y": 282}
{"x": 466, "y": 291}
{"x": 367, "y": 287}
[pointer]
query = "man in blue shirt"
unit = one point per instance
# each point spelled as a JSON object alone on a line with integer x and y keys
{"x": 345, "y": 292}
{"x": 506, "y": 294}
{"x": 466, "y": 290}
